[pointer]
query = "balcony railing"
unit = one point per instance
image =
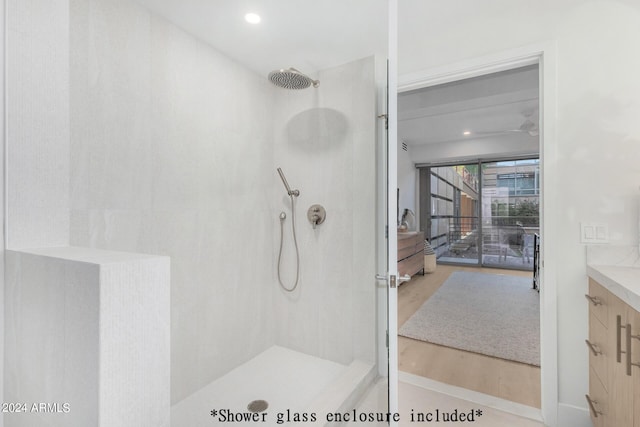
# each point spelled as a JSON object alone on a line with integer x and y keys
{"x": 502, "y": 238}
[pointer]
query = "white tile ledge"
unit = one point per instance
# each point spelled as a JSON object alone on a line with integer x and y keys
{"x": 88, "y": 255}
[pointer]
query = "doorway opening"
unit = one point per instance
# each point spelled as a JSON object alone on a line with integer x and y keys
{"x": 472, "y": 147}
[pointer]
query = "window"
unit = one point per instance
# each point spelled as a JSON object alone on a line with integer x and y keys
{"x": 492, "y": 225}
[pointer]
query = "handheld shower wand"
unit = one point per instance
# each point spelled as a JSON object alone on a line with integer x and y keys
{"x": 283, "y": 216}
{"x": 290, "y": 192}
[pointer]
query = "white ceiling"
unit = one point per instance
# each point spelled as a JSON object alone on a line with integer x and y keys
{"x": 309, "y": 35}
{"x": 497, "y": 104}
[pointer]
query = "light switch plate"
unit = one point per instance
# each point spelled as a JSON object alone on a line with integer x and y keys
{"x": 594, "y": 232}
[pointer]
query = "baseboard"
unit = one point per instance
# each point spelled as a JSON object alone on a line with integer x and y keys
{"x": 573, "y": 416}
{"x": 474, "y": 396}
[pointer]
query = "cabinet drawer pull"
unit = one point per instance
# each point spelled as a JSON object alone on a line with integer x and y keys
{"x": 619, "y": 327}
{"x": 629, "y": 336}
{"x": 594, "y": 348}
{"x": 592, "y": 406}
{"x": 628, "y": 353}
{"x": 594, "y": 300}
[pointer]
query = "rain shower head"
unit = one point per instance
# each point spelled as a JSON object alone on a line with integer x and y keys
{"x": 292, "y": 79}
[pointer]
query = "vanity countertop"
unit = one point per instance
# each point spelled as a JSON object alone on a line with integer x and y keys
{"x": 623, "y": 282}
{"x": 618, "y": 270}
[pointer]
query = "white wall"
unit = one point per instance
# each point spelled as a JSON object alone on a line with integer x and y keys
{"x": 174, "y": 150}
{"x": 325, "y": 142}
{"x": 3, "y": 31}
{"x": 38, "y": 122}
{"x": 38, "y": 291}
{"x": 598, "y": 95}
{"x": 88, "y": 329}
{"x": 36, "y": 131}
{"x": 171, "y": 154}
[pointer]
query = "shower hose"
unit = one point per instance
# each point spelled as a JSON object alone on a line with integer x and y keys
{"x": 295, "y": 242}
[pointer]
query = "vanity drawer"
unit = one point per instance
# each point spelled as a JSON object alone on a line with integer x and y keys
{"x": 599, "y": 356}
{"x": 597, "y": 400}
{"x": 598, "y": 302}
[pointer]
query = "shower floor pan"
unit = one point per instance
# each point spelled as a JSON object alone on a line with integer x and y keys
{"x": 290, "y": 382}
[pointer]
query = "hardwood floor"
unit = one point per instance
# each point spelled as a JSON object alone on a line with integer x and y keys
{"x": 514, "y": 381}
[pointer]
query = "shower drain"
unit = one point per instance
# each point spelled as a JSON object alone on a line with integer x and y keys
{"x": 258, "y": 406}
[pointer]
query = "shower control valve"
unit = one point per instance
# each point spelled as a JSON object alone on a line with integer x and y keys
{"x": 316, "y": 215}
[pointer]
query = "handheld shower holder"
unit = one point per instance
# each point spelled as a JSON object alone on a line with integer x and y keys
{"x": 290, "y": 192}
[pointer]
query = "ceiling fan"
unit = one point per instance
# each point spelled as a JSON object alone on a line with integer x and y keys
{"x": 528, "y": 126}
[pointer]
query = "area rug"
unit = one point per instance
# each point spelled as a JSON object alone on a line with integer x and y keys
{"x": 492, "y": 314}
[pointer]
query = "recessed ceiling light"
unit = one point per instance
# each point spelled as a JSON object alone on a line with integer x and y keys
{"x": 252, "y": 18}
{"x": 466, "y": 132}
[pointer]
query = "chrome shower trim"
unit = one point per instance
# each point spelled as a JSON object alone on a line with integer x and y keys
{"x": 290, "y": 192}
{"x": 291, "y": 78}
{"x": 314, "y": 83}
{"x": 292, "y": 195}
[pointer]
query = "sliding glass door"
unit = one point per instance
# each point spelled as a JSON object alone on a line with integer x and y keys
{"x": 510, "y": 212}
{"x": 483, "y": 213}
{"x": 453, "y": 212}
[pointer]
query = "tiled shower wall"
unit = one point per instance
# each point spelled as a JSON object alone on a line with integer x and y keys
{"x": 326, "y": 144}
{"x": 90, "y": 329}
{"x": 38, "y": 123}
{"x": 173, "y": 152}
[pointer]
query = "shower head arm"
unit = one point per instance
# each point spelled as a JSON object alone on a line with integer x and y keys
{"x": 315, "y": 83}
